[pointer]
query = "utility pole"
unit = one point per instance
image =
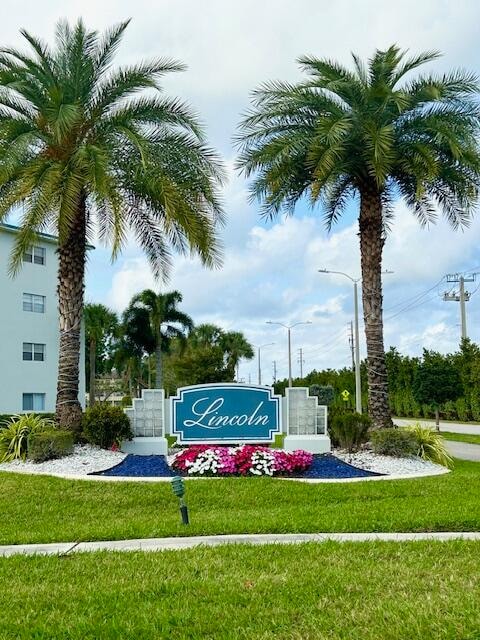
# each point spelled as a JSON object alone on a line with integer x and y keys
{"x": 301, "y": 361}
{"x": 259, "y": 359}
{"x": 461, "y": 296}
{"x": 289, "y": 328}
{"x": 351, "y": 343}
{"x": 274, "y": 371}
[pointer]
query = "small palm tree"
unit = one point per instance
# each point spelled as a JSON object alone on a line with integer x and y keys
{"x": 372, "y": 135}
{"x": 82, "y": 148}
{"x": 100, "y": 322}
{"x": 166, "y": 322}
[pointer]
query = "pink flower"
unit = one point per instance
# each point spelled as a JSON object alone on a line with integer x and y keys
{"x": 244, "y": 460}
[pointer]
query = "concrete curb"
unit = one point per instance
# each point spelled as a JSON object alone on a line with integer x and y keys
{"x": 179, "y": 543}
{"x": 97, "y": 478}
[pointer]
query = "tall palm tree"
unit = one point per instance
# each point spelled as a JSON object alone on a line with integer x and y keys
{"x": 166, "y": 322}
{"x": 100, "y": 322}
{"x": 371, "y": 134}
{"x": 83, "y": 148}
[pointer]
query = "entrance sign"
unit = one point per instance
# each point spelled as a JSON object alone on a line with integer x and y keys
{"x": 227, "y": 413}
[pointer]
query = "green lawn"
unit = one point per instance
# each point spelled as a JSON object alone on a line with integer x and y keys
{"x": 471, "y": 438}
{"x": 45, "y": 509}
{"x": 364, "y": 591}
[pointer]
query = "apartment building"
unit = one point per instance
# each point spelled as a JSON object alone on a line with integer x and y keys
{"x": 29, "y": 328}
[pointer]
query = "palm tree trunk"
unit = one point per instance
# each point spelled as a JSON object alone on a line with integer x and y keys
{"x": 71, "y": 270}
{"x": 93, "y": 354}
{"x": 372, "y": 240}
{"x": 158, "y": 364}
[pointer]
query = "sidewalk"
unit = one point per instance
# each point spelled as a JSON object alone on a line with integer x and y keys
{"x": 165, "y": 544}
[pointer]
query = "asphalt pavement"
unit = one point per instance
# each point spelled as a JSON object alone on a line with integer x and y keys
{"x": 461, "y": 450}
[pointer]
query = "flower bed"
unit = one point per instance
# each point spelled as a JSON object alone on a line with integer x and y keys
{"x": 208, "y": 460}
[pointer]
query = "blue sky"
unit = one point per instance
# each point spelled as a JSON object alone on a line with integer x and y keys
{"x": 270, "y": 271}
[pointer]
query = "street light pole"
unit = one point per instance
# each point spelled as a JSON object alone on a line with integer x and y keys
{"x": 289, "y": 329}
{"x": 358, "y": 381}
{"x": 259, "y": 359}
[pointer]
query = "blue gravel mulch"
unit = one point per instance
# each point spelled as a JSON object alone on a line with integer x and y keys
{"x": 324, "y": 466}
{"x": 140, "y": 467}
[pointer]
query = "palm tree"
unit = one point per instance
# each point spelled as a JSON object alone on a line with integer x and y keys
{"x": 236, "y": 347}
{"x": 370, "y": 134}
{"x": 166, "y": 322}
{"x": 100, "y": 322}
{"x": 83, "y": 148}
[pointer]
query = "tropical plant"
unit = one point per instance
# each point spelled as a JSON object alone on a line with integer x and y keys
{"x": 211, "y": 355}
{"x": 394, "y": 442}
{"x": 349, "y": 430}
{"x": 106, "y": 425}
{"x": 430, "y": 445}
{"x": 84, "y": 149}
{"x": 373, "y": 135}
{"x": 235, "y": 347}
{"x": 100, "y": 322}
{"x": 159, "y": 312}
{"x": 14, "y": 434}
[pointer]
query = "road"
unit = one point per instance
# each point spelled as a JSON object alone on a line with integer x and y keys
{"x": 453, "y": 427}
{"x": 462, "y": 450}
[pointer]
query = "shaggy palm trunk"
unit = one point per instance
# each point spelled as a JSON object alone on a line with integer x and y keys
{"x": 159, "y": 363}
{"x": 372, "y": 240}
{"x": 93, "y": 354}
{"x": 71, "y": 270}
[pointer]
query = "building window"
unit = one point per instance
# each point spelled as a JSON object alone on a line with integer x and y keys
{"x": 35, "y": 255}
{"x": 33, "y": 402}
{"x": 33, "y": 351}
{"x": 32, "y": 302}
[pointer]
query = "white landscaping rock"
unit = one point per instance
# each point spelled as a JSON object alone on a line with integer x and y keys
{"x": 85, "y": 459}
{"x": 88, "y": 459}
{"x": 388, "y": 464}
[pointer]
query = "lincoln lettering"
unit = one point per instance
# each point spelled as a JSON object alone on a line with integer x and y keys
{"x": 208, "y": 416}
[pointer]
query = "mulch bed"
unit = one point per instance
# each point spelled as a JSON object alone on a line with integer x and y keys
{"x": 325, "y": 466}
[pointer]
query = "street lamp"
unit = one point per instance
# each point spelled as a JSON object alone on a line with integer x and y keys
{"x": 259, "y": 348}
{"x": 289, "y": 328}
{"x": 358, "y": 383}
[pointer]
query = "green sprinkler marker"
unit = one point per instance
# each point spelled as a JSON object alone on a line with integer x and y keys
{"x": 178, "y": 488}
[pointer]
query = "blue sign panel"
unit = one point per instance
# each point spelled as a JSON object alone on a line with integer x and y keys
{"x": 225, "y": 413}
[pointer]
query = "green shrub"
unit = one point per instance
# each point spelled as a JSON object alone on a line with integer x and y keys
{"x": 48, "y": 445}
{"x": 394, "y": 442}
{"x": 349, "y": 430}
{"x": 127, "y": 401}
{"x": 430, "y": 445}
{"x": 106, "y": 425}
{"x": 324, "y": 393}
{"x": 449, "y": 410}
{"x": 14, "y": 434}
{"x": 462, "y": 409}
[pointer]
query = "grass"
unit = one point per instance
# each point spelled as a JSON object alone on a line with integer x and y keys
{"x": 338, "y": 591}
{"x": 470, "y": 438}
{"x": 46, "y": 509}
